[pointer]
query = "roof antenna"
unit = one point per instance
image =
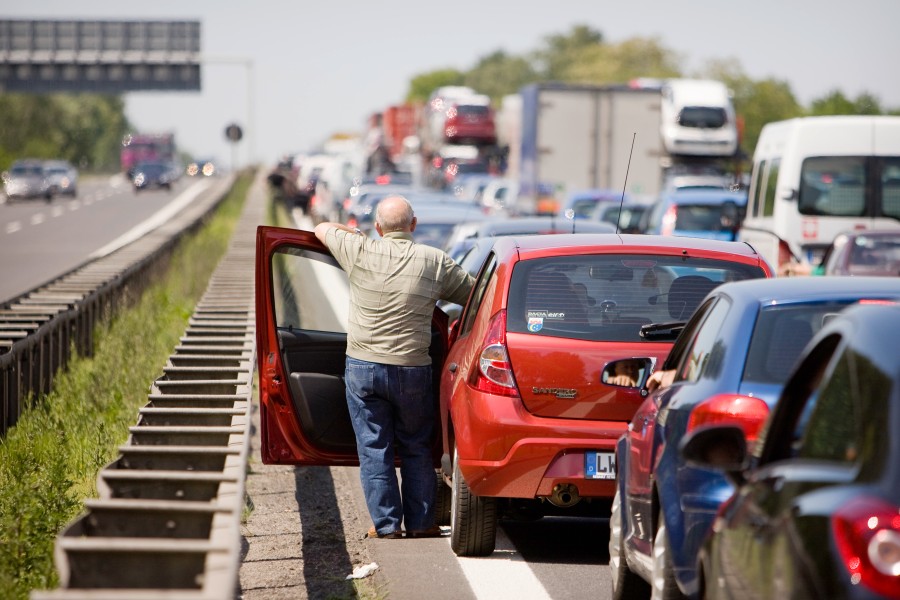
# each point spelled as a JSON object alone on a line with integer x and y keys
{"x": 625, "y": 185}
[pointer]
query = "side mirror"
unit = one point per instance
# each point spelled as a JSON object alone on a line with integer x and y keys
{"x": 627, "y": 372}
{"x": 791, "y": 195}
{"x": 720, "y": 447}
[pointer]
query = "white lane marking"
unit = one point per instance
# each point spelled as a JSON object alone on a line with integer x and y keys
{"x": 329, "y": 278}
{"x": 505, "y": 574}
{"x": 74, "y": 204}
{"x": 89, "y": 200}
{"x": 37, "y": 218}
{"x": 57, "y": 211}
{"x": 163, "y": 215}
{"x": 13, "y": 226}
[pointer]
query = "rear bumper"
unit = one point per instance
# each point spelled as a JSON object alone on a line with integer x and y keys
{"x": 504, "y": 451}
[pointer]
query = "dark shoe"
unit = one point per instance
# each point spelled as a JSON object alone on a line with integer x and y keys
{"x": 394, "y": 535}
{"x": 432, "y": 532}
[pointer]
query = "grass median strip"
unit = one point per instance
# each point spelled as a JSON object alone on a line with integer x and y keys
{"x": 49, "y": 461}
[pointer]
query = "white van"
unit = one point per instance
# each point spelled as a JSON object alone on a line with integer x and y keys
{"x": 698, "y": 118}
{"x": 815, "y": 177}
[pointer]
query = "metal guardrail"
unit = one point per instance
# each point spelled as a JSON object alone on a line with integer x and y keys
{"x": 167, "y": 522}
{"x": 40, "y": 329}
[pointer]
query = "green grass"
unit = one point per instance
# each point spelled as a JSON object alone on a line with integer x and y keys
{"x": 49, "y": 461}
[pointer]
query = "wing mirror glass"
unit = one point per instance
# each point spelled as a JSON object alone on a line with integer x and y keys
{"x": 627, "y": 372}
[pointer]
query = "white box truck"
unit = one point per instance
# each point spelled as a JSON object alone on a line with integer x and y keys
{"x": 815, "y": 177}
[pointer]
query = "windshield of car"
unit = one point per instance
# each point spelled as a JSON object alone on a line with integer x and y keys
{"x": 708, "y": 117}
{"x": 780, "y": 334}
{"x": 609, "y": 297}
{"x": 26, "y": 170}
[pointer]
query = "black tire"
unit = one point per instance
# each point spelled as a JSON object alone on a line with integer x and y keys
{"x": 442, "y": 500}
{"x": 625, "y": 583}
{"x": 473, "y": 519}
{"x": 662, "y": 582}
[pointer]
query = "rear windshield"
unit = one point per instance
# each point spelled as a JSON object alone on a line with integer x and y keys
{"x": 468, "y": 110}
{"x": 706, "y": 117}
{"x": 780, "y": 334}
{"x": 609, "y": 297}
{"x": 708, "y": 217}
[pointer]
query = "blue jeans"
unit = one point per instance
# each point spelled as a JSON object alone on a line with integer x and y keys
{"x": 392, "y": 406}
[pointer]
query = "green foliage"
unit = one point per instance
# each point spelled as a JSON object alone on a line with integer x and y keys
{"x": 836, "y": 103}
{"x": 560, "y": 51}
{"x": 50, "y": 459}
{"x": 421, "y": 86}
{"x": 499, "y": 74}
{"x": 85, "y": 129}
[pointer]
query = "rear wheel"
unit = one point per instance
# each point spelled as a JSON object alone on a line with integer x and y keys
{"x": 442, "y": 500}
{"x": 664, "y": 586}
{"x": 473, "y": 519}
{"x": 625, "y": 583}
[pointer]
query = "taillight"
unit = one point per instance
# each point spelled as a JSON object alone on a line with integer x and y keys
{"x": 494, "y": 371}
{"x": 867, "y": 532}
{"x": 668, "y": 221}
{"x": 746, "y": 412}
{"x": 352, "y": 222}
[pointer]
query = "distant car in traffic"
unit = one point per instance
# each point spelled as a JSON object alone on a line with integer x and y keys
{"x": 62, "y": 177}
{"x": 147, "y": 175}
{"x": 730, "y": 363}
{"x": 865, "y": 252}
{"x": 203, "y": 167}
{"x": 632, "y": 214}
{"x": 27, "y": 179}
{"x": 704, "y": 213}
{"x": 583, "y": 204}
{"x": 816, "y": 511}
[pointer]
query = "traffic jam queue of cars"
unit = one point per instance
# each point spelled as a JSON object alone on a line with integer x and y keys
{"x": 543, "y": 406}
{"x": 737, "y": 429}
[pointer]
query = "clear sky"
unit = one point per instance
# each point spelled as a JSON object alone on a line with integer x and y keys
{"x": 321, "y": 66}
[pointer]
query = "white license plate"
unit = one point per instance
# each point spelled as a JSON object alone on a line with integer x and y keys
{"x": 599, "y": 465}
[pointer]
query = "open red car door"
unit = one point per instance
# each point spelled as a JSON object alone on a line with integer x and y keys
{"x": 302, "y": 301}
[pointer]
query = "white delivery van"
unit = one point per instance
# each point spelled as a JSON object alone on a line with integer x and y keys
{"x": 698, "y": 118}
{"x": 815, "y": 177}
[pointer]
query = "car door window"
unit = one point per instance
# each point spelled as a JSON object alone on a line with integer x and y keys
{"x": 487, "y": 272}
{"x": 705, "y": 354}
{"x": 310, "y": 291}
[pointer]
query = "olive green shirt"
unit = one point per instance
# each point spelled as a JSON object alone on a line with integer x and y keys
{"x": 394, "y": 285}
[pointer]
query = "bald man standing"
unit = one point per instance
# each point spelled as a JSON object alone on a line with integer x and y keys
{"x": 394, "y": 285}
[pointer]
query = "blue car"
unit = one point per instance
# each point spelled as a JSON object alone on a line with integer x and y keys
{"x": 820, "y": 497}
{"x": 705, "y": 213}
{"x": 729, "y": 365}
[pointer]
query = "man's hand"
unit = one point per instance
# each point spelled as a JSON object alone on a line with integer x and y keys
{"x": 660, "y": 380}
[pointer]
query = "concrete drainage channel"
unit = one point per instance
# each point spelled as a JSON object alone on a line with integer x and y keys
{"x": 167, "y": 522}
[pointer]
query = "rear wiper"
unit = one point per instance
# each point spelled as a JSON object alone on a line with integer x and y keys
{"x": 662, "y": 331}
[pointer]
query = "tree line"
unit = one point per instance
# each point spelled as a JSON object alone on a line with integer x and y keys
{"x": 86, "y": 129}
{"x": 582, "y": 56}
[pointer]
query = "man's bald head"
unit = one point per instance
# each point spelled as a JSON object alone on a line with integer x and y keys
{"x": 394, "y": 213}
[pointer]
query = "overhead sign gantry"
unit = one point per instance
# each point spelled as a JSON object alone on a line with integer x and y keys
{"x": 99, "y": 56}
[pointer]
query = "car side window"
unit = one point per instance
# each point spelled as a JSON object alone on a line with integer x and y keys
{"x": 481, "y": 284}
{"x": 828, "y": 427}
{"x": 705, "y": 351}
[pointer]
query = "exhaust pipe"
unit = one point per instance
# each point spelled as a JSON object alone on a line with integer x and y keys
{"x": 564, "y": 495}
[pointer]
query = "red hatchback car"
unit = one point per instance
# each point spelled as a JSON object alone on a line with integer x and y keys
{"x": 529, "y": 417}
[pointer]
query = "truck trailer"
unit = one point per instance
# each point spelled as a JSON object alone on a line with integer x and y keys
{"x": 579, "y": 137}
